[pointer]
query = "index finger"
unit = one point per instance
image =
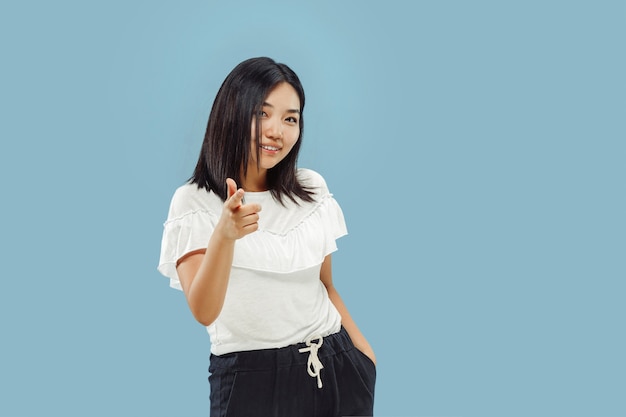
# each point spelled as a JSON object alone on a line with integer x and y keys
{"x": 236, "y": 200}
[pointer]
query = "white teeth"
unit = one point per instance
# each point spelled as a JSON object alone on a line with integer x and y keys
{"x": 269, "y": 148}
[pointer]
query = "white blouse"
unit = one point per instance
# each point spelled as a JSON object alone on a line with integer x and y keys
{"x": 275, "y": 297}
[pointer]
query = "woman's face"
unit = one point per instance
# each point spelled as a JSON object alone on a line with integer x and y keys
{"x": 280, "y": 127}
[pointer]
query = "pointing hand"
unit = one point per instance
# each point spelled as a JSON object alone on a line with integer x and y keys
{"x": 238, "y": 219}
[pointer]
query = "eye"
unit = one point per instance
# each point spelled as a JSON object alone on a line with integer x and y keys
{"x": 261, "y": 114}
{"x": 292, "y": 120}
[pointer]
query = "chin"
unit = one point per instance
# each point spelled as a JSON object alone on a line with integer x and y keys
{"x": 269, "y": 164}
{"x": 267, "y": 167}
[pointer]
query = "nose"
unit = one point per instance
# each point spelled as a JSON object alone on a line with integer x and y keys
{"x": 273, "y": 129}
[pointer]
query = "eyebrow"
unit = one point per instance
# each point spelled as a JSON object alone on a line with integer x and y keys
{"x": 265, "y": 103}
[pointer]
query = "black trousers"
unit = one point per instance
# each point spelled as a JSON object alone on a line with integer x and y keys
{"x": 286, "y": 382}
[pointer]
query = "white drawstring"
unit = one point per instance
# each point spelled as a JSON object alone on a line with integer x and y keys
{"x": 314, "y": 366}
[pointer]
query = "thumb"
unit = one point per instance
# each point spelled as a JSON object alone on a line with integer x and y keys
{"x": 231, "y": 187}
{"x": 235, "y": 201}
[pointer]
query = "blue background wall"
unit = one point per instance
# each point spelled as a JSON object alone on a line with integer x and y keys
{"x": 477, "y": 149}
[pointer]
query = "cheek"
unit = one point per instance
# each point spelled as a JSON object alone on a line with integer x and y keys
{"x": 293, "y": 140}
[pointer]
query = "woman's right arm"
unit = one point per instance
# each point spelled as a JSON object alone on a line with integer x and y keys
{"x": 204, "y": 274}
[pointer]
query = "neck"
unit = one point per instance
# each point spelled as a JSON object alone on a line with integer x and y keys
{"x": 255, "y": 180}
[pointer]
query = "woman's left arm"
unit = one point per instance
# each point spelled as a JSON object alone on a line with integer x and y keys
{"x": 326, "y": 275}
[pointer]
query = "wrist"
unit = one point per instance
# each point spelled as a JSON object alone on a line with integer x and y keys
{"x": 221, "y": 236}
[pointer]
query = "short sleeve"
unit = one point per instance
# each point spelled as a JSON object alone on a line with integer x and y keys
{"x": 188, "y": 227}
{"x": 334, "y": 223}
{"x": 328, "y": 212}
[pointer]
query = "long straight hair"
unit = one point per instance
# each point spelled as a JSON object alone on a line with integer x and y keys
{"x": 227, "y": 141}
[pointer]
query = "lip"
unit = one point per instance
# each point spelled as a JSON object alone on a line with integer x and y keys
{"x": 270, "y": 148}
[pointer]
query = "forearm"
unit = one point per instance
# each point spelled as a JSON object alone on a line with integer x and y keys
{"x": 208, "y": 289}
{"x": 360, "y": 342}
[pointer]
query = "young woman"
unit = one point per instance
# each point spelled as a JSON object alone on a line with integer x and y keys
{"x": 249, "y": 240}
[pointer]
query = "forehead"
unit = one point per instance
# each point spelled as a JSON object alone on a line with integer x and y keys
{"x": 283, "y": 96}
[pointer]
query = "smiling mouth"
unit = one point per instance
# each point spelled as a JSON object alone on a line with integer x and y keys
{"x": 270, "y": 148}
